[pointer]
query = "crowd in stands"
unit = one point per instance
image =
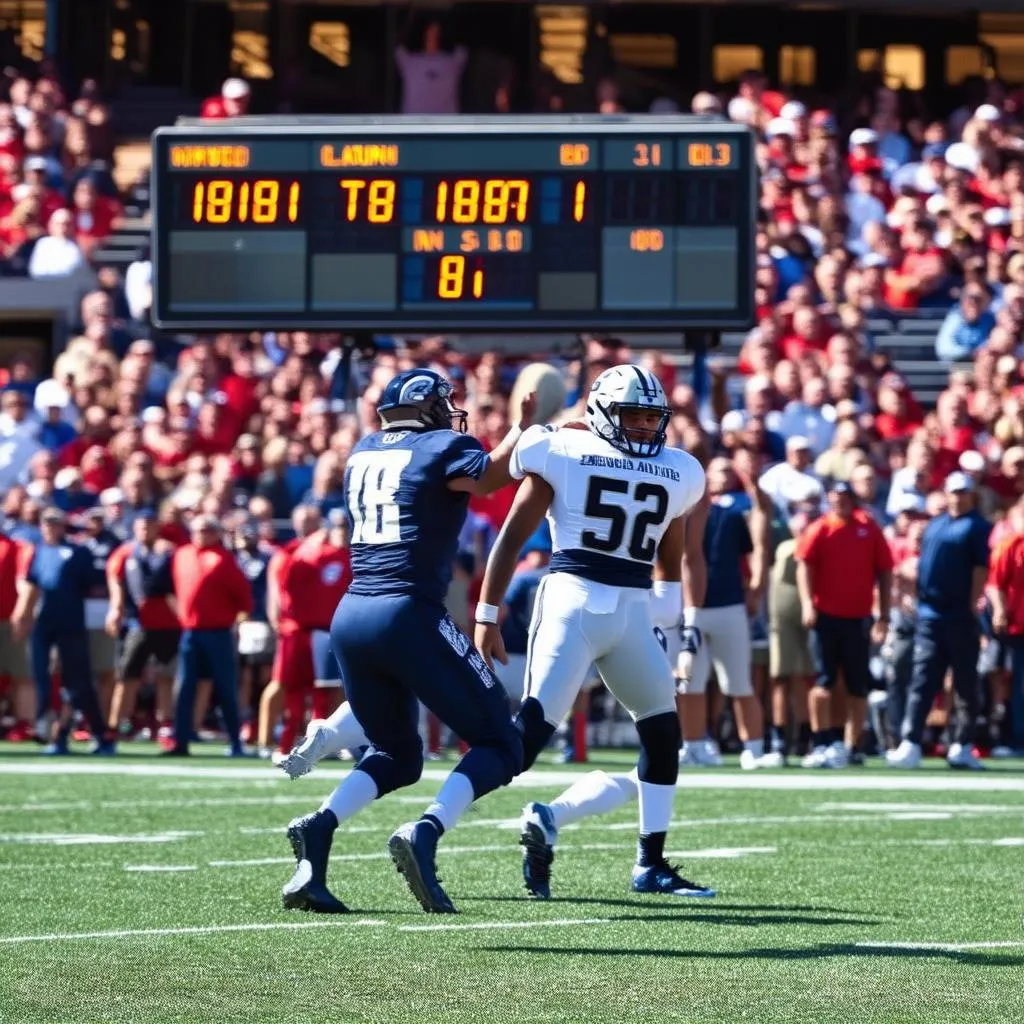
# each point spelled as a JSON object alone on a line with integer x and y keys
{"x": 867, "y": 214}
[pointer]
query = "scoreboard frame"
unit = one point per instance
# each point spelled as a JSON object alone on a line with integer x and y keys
{"x": 718, "y": 147}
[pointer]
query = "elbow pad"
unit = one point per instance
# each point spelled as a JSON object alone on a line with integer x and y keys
{"x": 666, "y": 603}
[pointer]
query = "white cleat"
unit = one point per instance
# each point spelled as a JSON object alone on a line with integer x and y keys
{"x": 906, "y": 755}
{"x": 817, "y": 758}
{"x": 836, "y": 756}
{"x": 960, "y": 756}
{"x": 749, "y": 762}
{"x": 700, "y": 754}
{"x": 305, "y": 757}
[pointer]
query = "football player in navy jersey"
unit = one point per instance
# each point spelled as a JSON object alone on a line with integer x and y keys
{"x": 407, "y": 489}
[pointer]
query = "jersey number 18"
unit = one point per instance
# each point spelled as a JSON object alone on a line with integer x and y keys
{"x": 641, "y": 548}
{"x": 373, "y": 482}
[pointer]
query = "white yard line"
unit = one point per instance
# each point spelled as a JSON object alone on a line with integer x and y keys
{"x": 872, "y": 806}
{"x": 942, "y": 947}
{"x": 161, "y": 867}
{"x": 92, "y": 839}
{"x": 214, "y": 929}
{"x": 796, "y": 780}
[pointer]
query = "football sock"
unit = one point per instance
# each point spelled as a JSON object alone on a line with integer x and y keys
{"x": 835, "y": 735}
{"x": 755, "y": 747}
{"x": 655, "y": 807}
{"x": 650, "y": 850}
{"x": 820, "y": 739}
{"x": 595, "y": 793}
{"x": 344, "y": 731}
{"x": 778, "y": 739}
{"x": 356, "y": 791}
{"x": 451, "y": 803}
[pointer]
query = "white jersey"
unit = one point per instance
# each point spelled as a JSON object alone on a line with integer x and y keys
{"x": 610, "y": 510}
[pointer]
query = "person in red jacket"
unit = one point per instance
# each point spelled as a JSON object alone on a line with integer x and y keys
{"x": 293, "y": 660}
{"x": 143, "y": 620}
{"x": 1006, "y": 592}
{"x": 212, "y": 594}
{"x": 314, "y": 580}
{"x": 14, "y": 559}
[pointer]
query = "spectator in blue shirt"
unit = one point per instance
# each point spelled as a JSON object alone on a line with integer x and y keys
{"x": 51, "y": 402}
{"x": 967, "y": 325}
{"x": 51, "y": 614}
{"x": 951, "y": 574}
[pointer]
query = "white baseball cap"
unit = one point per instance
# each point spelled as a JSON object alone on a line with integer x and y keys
{"x": 235, "y": 89}
{"x": 794, "y": 110}
{"x": 963, "y": 157}
{"x": 797, "y": 443}
{"x": 780, "y": 126}
{"x": 863, "y": 137}
{"x": 972, "y": 462}
{"x": 988, "y": 112}
{"x": 733, "y": 420}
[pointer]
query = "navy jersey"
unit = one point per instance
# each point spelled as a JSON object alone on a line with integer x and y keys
{"x": 254, "y": 567}
{"x": 726, "y": 540}
{"x": 951, "y": 549}
{"x": 64, "y": 574}
{"x": 100, "y": 547}
{"x": 519, "y": 598}
{"x": 405, "y": 520}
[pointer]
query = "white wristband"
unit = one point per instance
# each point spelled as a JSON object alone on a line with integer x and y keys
{"x": 487, "y": 614}
{"x": 666, "y": 602}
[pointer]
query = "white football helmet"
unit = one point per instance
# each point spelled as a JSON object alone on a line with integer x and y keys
{"x": 627, "y": 387}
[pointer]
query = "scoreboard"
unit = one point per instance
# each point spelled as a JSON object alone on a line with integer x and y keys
{"x": 449, "y": 224}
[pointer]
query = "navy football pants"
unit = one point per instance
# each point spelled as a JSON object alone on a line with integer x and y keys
{"x": 397, "y": 651}
{"x": 75, "y": 672}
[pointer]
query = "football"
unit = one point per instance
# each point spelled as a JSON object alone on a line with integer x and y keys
{"x": 547, "y": 382}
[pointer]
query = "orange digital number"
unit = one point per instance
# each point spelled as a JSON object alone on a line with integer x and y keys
{"x": 451, "y": 279}
{"x": 376, "y": 198}
{"x": 493, "y": 201}
{"x": 224, "y": 200}
{"x": 647, "y": 154}
{"x": 579, "y": 201}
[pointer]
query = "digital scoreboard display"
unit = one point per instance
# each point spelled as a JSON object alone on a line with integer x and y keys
{"x": 448, "y": 224}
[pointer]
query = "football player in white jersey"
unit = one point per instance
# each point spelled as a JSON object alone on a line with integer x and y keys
{"x": 616, "y": 499}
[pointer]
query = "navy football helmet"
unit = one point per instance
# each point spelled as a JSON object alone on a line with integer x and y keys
{"x": 420, "y": 399}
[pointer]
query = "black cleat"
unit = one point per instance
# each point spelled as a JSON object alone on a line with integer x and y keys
{"x": 310, "y": 839}
{"x": 537, "y": 838}
{"x": 413, "y": 848}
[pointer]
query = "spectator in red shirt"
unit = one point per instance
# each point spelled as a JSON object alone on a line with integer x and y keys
{"x": 233, "y": 100}
{"x": 212, "y": 595}
{"x": 95, "y": 216}
{"x": 842, "y": 558}
{"x": 14, "y": 559}
{"x": 1006, "y": 592}
{"x": 142, "y": 618}
{"x": 899, "y": 415}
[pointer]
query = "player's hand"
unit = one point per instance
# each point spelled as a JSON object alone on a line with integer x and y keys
{"x": 487, "y": 638}
{"x": 528, "y": 410}
{"x": 809, "y": 617}
{"x": 112, "y": 625}
{"x": 879, "y": 631}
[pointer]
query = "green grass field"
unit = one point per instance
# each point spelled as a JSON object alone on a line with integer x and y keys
{"x": 144, "y": 892}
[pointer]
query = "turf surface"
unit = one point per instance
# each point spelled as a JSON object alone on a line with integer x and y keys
{"x": 817, "y": 890}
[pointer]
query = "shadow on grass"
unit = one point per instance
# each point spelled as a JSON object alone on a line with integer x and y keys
{"x": 822, "y": 951}
{"x": 713, "y": 907}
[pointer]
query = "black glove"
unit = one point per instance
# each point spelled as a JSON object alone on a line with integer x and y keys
{"x": 692, "y": 639}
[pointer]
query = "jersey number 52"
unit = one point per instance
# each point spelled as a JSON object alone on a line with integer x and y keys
{"x": 641, "y": 547}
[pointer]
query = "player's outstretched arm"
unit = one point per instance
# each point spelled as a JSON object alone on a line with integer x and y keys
{"x": 532, "y": 500}
{"x": 497, "y": 474}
